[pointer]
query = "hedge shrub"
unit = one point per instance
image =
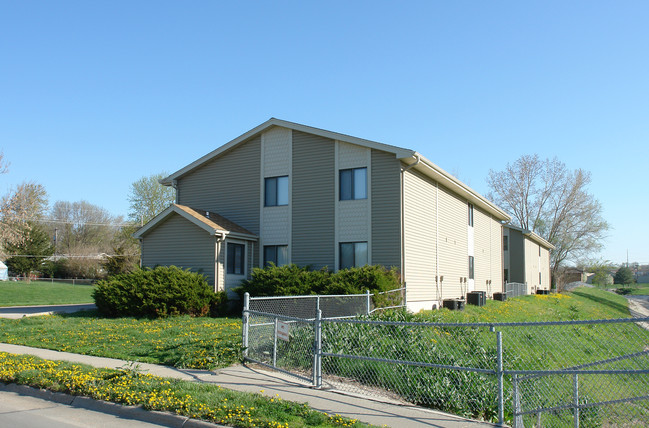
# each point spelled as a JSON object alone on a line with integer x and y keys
{"x": 154, "y": 293}
{"x": 291, "y": 280}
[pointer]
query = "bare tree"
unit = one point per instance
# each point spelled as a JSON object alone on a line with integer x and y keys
{"x": 83, "y": 228}
{"x": 20, "y": 206}
{"x": 545, "y": 197}
{"x": 4, "y": 165}
{"x": 148, "y": 197}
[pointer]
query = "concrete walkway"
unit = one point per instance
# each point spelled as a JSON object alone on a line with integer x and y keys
{"x": 16, "y": 312}
{"x": 251, "y": 379}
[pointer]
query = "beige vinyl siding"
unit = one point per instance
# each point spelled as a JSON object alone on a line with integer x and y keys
{"x": 487, "y": 252}
{"x": 227, "y": 185}
{"x": 385, "y": 194}
{"x": 531, "y": 265}
{"x": 313, "y": 201}
{"x": 516, "y": 256}
{"x": 545, "y": 269}
{"x": 497, "y": 262}
{"x": 419, "y": 238}
{"x": 179, "y": 242}
{"x": 453, "y": 243}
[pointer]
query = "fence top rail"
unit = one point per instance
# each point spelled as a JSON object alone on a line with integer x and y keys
{"x": 312, "y": 296}
{"x": 309, "y": 296}
{"x": 494, "y": 324}
{"x": 278, "y": 316}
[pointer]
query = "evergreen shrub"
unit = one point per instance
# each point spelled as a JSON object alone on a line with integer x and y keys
{"x": 155, "y": 293}
{"x": 291, "y": 280}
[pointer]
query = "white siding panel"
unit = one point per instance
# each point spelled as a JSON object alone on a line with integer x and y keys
{"x": 482, "y": 249}
{"x": 275, "y": 226}
{"x": 277, "y": 150}
{"x": 419, "y": 239}
{"x": 353, "y": 217}
{"x": 352, "y": 156}
{"x": 496, "y": 256}
{"x": 353, "y": 224}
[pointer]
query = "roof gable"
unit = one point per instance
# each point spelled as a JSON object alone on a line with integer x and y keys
{"x": 408, "y": 156}
{"x": 212, "y": 223}
{"x": 398, "y": 151}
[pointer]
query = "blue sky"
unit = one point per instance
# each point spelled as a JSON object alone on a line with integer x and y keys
{"x": 94, "y": 95}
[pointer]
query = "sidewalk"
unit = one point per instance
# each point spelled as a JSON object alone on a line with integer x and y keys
{"x": 17, "y": 312}
{"x": 250, "y": 379}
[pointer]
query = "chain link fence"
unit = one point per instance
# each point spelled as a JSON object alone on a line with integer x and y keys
{"x": 515, "y": 289}
{"x": 553, "y": 374}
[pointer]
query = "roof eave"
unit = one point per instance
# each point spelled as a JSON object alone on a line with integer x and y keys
{"x": 438, "y": 174}
{"x": 151, "y": 224}
{"x": 398, "y": 151}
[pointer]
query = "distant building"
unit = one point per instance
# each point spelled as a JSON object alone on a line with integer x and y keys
{"x": 526, "y": 258}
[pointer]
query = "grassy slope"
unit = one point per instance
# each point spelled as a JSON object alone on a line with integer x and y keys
{"x": 583, "y": 303}
{"x": 43, "y": 293}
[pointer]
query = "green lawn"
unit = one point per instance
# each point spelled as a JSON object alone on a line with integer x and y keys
{"x": 176, "y": 341}
{"x": 20, "y": 293}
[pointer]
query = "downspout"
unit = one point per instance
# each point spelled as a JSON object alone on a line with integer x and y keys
{"x": 438, "y": 288}
{"x": 403, "y": 217}
{"x": 174, "y": 185}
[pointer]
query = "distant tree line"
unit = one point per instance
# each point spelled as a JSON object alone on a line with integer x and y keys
{"x": 74, "y": 239}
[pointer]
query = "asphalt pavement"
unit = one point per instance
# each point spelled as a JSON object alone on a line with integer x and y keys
{"x": 19, "y": 410}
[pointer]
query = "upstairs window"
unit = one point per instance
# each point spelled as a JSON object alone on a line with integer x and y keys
{"x": 277, "y": 254}
{"x": 236, "y": 259}
{"x": 353, "y": 254}
{"x": 471, "y": 267}
{"x": 470, "y": 214}
{"x": 505, "y": 243}
{"x": 276, "y": 191}
{"x": 353, "y": 184}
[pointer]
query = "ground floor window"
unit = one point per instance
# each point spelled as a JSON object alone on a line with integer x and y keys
{"x": 353, "y": 254}
{"x": 236, "y": 259}
{"x": 506, "y": 275}
{"x": 277, "y": 254}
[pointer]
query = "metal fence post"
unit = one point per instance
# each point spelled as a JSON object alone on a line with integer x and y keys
{"x": 575, "y": 398}
{"x": 405, "y": 295}
{"x": 499, "y": 373}
{"x": 317, "y": 351}
{"x": 518, "y": 419}
{"x": 275, "y": 345}
{"x": 369, "y": 304}
{"x": 246, "y": 323}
